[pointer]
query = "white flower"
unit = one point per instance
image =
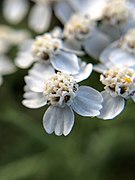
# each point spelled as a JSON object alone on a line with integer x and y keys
{"x": 48, "y": 48}
{"x": 10, "y": 37}
{"x": 79, "y": 27}
{"x": 63, "y": 94}
{"x": 39, "y": 17}
{"x": 113, "y": 21}
{"x": 119, "y": 86}
{"x": 15, "y": 10}
{"x": 6, "y": 67}
{"x": 80, "y": 31}
{"x": 65, "y": 9}
{"x": 117, "y": 17}
{"x": 120, "y": 53}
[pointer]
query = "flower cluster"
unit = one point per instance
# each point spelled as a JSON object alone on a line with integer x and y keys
{"x": 103, "y": 30}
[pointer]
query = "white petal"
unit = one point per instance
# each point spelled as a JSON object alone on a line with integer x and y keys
{"x": 57, "y": 32}
{"x": 4, "y": 45}
{"x": 87, "y": 102}
{"x": 58, "y": 120}
{"x": 72, "y": 44}
{"x": 65, "y": 62}
{"x": 24, "y": 60}
{"x": 91, "y": 7}
{"x": 42, "y": 71}
{"x": 114, "y": 32}
{"x": 100, "y": 68}
{"x": 40, "y": 17}
{"x": 38, "y": 75}
{"x": 130, "y": 23}
{"x": 34, "y": 84}
{"x": 95, "y": 44}
{"x": 133, "y": 97}
{"x": 6, "y": 66}
{"x": 105, "y": 55}
{"x": 18, "y": 37}
{"x": 34, "y": 100}
{"x": 121, "y": 58}
{"x": 15, "y": 10}
{"x": 112, "y": 106}
{"x": 26, "y": 45}
{"x": 63, "y": 11}
{"x": 84, "y": 72}
{"x": 95, "y": 8}
{"x": 78, "y": 5}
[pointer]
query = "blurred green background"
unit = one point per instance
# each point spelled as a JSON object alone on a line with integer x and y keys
{"x": 94, "y": 150}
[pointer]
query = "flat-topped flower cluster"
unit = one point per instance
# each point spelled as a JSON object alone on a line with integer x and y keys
{"x": 103, "y": 30}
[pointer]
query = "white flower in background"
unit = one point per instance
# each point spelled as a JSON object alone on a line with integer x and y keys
{"x": 127, "y": 42}
{"x": 39, "y": 17}
{"x": 81, "y": 32}
{"x": 41, "y": 14}
{"x": 119, "y": 86}
{"x": 65, "y": 9}
{"x": 6, "y": 67}
{"x": 5, "y": 32}
{"x": 15, "y": 10}
{"x": 117, "y": 17}
{"x": 10, "y": 37}
{"x": 78, "y": 27}
{"x": 113, "y": 21}
{"x": 48, "y": 48}
{"x": 63, "y": 95}
{"x": 120, "y": 53}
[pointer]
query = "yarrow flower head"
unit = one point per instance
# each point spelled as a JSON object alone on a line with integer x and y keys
{"x": 116, "y": 12}
{"x": 119, "y": 82}
{"x": 115, "y": 16}
{"x": 63, "y": 95}
{"x": 80, "y": 31}
{"x": 119, "y": 86}
{"x": 127, "y": 42}
{"x": 48, "y": 48}
{"x": 60, "y": 89}
{"x": 78, "y": 27}
{"x": 46, "y": 45}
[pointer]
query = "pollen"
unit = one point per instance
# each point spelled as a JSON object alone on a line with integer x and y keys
{"x": 128, "y": 80}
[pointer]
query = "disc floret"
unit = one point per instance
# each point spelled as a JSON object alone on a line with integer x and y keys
{"x": 60, "y": 89}
{"x": 45, "y": 45}
{"x": 119, "y": 82}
